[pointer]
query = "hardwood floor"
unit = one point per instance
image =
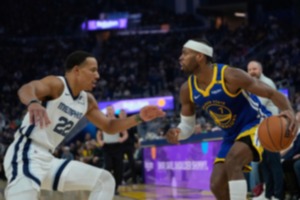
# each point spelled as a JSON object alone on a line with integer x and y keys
{"x": 130, "y": 192}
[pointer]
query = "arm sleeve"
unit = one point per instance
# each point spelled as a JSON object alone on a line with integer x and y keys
{"x": 186, "y": 126}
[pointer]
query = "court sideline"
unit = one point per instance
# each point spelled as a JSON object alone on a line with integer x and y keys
{"x": 137, "y": 192}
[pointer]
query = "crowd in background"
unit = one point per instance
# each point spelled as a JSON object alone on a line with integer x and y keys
{"x": 142, "y": 65}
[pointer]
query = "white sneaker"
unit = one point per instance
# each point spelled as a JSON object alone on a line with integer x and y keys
{"x": 274, "y": 198}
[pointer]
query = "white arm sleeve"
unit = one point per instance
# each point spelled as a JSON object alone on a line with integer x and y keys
{"x": 186, "y": 126}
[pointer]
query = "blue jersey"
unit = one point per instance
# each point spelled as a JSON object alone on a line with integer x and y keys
{"x": 233, "y": 113}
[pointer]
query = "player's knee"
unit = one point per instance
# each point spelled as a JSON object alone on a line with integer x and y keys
{"x": 105, "y": 182}
{"x": 109, "y": 180}
{"x": 23, "y": 188}
{"x": 234, "y": 160}
{"x": 234, "y": 165}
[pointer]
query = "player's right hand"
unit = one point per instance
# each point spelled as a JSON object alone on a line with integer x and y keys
{"x": 172, "y": 135}
{"x": 291, "y": 117}
{"x": 38, "y": 115}
{"x": 151, "y": 112}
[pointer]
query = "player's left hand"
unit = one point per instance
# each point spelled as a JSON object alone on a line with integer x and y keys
{"x": 290, "y": 115}
{"x": 38, "y": 115}
{"x": 151, "y": 112}
{"x": 172, "y": 135}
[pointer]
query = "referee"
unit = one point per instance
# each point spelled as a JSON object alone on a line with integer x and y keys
{"x": 113, "y": 150}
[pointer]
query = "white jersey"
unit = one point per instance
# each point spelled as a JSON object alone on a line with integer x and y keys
{"x": 63, "y": 112}
{"x": 267, "y": 102}
{"x": 110, "y": 138}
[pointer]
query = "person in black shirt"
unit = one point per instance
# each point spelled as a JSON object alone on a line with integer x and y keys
{"x": 129, "y": 149}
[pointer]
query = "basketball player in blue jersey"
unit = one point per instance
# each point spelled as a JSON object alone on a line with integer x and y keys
{"x": 224, "y": 93}
{"x": 55, "y": 105}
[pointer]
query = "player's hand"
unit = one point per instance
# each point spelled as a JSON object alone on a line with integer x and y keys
{"x": 290, "y": 115}
{"x": 172, "y": 135}
{"x": 149, "y": 113}
{"x": 38, "y": 115}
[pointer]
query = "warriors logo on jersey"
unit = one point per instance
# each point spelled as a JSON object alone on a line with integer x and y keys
{"x": 231, "y": 112}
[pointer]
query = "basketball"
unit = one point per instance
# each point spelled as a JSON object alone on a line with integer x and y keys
{"x": 274, "y": 135}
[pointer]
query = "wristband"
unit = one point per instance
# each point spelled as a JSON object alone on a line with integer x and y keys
{"x": 33, "y": 101}
{"x": 138, "y": 119}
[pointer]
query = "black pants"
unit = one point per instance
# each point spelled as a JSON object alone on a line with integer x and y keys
{"x": 290, "y": 177}
{"x": 129, "y": 151}
{"x": 113, "y": 158}
{"x": 272, "y": 174}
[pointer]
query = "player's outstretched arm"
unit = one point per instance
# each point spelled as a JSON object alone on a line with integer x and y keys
{"x": 112, "y": 126}
{"x": 238, "y": 79}
{"x": 32, "y": 93}
{"x": 187, "y": 118}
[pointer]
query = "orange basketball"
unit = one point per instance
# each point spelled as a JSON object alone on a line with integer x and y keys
{"x": 273, "y": 134}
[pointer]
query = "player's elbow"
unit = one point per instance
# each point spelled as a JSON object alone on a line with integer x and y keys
{"x": 21, "y": 90}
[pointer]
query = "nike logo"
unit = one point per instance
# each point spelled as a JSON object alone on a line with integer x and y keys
{"x": 67, "y": 94}
{"x": 196, "y": 97}
{"x": 216, "y": 91}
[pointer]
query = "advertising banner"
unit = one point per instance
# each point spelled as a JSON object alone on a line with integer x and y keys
{"x": 187, "y": 166}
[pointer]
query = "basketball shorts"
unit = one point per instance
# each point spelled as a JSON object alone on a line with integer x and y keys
{"x": 248, "y": 136}
{"x": 29, "y": 166}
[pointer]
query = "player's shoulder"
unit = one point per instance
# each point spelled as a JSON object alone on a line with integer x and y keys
{"x": 92, "y": 102}
{"x": 90, "y": 97}
{"x": 184, "y": 86}
{"x": 230, "y": 68}
{"x": 233, "y": 72}
{"x": 53, "y": 80}
{"x": 55, "y": 84}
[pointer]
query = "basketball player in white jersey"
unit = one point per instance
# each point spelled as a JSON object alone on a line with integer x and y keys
{"x": 55, "y": 105}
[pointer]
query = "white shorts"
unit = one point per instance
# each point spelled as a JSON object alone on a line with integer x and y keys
{"x": 26, "y": 160}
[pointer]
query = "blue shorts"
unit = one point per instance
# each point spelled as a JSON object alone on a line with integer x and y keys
{"x": 249, "y": 136}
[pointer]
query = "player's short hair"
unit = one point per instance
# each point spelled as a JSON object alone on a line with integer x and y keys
{"x": 204, "y": 41}
{"x": 76, "y": 58}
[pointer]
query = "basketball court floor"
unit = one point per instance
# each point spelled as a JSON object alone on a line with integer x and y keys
{"x": 137, "y": 192}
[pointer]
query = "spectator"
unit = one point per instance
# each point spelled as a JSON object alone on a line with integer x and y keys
{"x": 271, "y": 166}
{"x": 129, "y": 149}
{"x": 67, "y": 154}
{"x": 291, "y": 167}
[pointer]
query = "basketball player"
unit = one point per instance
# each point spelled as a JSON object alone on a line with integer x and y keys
{"x": 55, "y": 105}
{"x": 224, "y": 92}
{"x": 271, "y": 162}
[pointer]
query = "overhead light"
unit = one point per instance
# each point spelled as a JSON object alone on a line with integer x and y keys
{"x": 240, "y": 14}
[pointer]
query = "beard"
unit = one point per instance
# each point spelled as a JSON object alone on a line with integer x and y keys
{"x": 254, "y": 75}
{"x": 187, "y": 71}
